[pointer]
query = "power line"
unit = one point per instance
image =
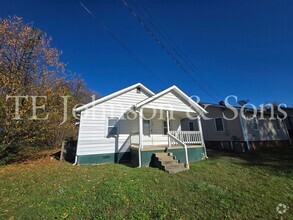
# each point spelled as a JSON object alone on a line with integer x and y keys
{"x": 177, "y": 50}
{"x": 173, "y": 45}
{"x": 121, "y": 43}
{"x": 162, "y": 45}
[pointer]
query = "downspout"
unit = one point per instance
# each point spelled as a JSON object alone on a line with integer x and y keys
{"x": 244, "y": 132}
{"x": 75, "y": 161}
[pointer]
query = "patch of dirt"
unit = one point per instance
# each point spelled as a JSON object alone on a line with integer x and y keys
{"x": 30, "y": 155}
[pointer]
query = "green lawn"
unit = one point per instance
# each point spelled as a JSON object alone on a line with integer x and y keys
{"x": 226, "y": 186}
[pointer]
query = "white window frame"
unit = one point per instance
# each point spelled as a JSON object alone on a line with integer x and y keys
{"x": 222, "y": 124}
{"x": 150, "y": 127}
{"x": 255, "y": 122}
{"x": 107, "y": 126}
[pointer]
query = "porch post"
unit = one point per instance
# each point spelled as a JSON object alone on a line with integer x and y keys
{"x": 168, "y": 128}
{"x": 201, "y": 135}
{"x": 140, "y": 130}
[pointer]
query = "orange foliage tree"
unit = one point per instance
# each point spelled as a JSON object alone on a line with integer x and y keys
{"x": 29, "y": 66}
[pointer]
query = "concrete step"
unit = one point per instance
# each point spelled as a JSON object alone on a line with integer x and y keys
{"x": 163, "y": 154}
{"x": 174, "y": 166}
{"x": 166, "y": 158}
{"x": 167, "y": 162}
{"x": 176, "y": 170}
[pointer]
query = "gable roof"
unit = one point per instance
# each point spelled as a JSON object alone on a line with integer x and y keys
{"x": 113, "y": 95}
{"x": 175, "y": 89}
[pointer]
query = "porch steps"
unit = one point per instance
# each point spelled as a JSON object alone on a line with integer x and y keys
{"x": 168, "y": 162}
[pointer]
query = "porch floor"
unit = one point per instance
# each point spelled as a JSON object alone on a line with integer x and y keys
{"x": 162, "y": 147}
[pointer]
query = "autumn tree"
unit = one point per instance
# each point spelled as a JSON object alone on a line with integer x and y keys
{"x": 30, "y": 66}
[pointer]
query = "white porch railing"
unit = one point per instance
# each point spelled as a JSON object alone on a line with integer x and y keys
{"x": 176, "y": 140}
{"x": 134, "y": 138}
{"x": 187, "y": 137}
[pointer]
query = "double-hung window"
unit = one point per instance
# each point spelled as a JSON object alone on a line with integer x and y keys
{"x": 112, "y": 126}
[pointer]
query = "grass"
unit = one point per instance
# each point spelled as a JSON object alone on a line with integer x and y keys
{"x": 226, "y": 186}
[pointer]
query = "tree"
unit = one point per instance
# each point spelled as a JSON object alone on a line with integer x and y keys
{"x": 30, "y": 66}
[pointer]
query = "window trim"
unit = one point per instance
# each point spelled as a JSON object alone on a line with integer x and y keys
{"x": 107, "y": 127}
{"x": 222, "y": 125}
{"x": 150, "y": 127}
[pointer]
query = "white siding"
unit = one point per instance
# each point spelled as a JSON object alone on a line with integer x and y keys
{"x": 170, "y": 101}
{"x": 92, "y": 138}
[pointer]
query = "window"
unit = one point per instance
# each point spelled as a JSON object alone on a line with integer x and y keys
{"x": 219, "y": 124}
{"x": 147, "y": 127}
{"x": 191, "y": 126}
{"x": 138, "y": 90}
{"x": 112, "y": 126}
{"x": 165, "y": 128}
{"x": 255, "y": 123}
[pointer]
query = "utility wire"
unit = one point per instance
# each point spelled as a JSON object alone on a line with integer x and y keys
{"x": 121, "y": 43}
{"x": 178, "y": 63}
{"x": 177, "y": 50}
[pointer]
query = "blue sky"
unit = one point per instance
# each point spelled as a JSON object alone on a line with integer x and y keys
{"x": 243, "y": 48}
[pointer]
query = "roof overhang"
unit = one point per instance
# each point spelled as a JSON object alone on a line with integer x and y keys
{"x": 113, "y": 95}
{"x": 195, "y": 106}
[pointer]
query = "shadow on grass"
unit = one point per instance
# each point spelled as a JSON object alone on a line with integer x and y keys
{"x": 277, "y": 159}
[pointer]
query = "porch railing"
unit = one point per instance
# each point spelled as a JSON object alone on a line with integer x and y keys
{"x": 179, "y": 142}
{"x": 134, "y": 138}
{"x": 187, "y": 137}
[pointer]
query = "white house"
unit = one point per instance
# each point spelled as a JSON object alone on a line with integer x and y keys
{"x": 136, "y": 124}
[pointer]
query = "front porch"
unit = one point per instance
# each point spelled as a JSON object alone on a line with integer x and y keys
{"x": 155, "y": 136}
{"x": 194, "y": 152}
{"x": 159, "y": 128}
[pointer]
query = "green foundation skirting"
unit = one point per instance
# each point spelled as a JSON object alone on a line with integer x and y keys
{"x": 104, "y": 158}
{"x": 194, "y": 154}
